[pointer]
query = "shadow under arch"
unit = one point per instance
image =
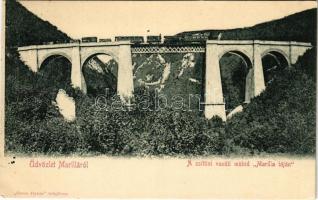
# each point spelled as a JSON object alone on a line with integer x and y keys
{"x": 273, "y": 62}
{"x": 100, "y": 72}
{"x": 236, "y": 76}
{"x": 55, "y": 72}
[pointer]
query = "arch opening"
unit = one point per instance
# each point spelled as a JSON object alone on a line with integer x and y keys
{"x": 236, "y": 77}
{"x": 55, "y": 73}
{"x": 54, "y": 80}
{"x": 100, "y": 73}
{"x": 273, "y": 62}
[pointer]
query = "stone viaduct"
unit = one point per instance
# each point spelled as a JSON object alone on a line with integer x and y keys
{"x": 251, "y": 51}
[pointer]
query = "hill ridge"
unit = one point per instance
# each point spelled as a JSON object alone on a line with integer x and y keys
{"x": 291, "y": 28}
{"x": 25, "y": 28}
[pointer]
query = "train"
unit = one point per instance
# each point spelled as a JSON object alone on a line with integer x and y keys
{"x": 185, "y": 38}
{"x": 172, "y": 39}
{"x": 196, "y": 37}
{"x": 75, "y": 41}
{"x": 132, "y": 39}
{"x": 105, "y": 40}
{"x": 154, "y": 39}
{"x": 89, "y": 39}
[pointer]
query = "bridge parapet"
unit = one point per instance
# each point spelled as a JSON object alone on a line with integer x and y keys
{"x": 260, "y": 42}
{"x": 70, "y": 45}
{"x": 165, "y": 49}
{"x": 168, "y": 49}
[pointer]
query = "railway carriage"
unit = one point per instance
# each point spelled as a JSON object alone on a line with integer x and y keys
{"x": 132, "y": 39}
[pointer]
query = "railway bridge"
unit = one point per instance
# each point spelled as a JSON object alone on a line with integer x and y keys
{"x": 251, "y": 51}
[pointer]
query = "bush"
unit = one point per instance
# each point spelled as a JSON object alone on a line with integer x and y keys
{"x": 281, "y": 119}
{"x": 49, "y": 136}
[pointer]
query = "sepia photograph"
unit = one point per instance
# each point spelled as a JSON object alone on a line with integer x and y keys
{"x": 212, "y": 85}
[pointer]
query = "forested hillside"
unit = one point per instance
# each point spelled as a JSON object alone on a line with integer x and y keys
{"x": 24, "y": 28}
{"x": 301, "y": 27}
{"x": 283, "y": 118}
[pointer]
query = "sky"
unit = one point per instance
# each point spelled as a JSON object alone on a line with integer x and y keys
{"x": 106, "y": 19}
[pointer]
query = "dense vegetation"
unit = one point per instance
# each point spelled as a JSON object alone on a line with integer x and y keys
{"x": 24, "y": 28}
{"x": 233, "y": 76}
{"x": 300, "y": 27}
{"x": 280, "y": 120}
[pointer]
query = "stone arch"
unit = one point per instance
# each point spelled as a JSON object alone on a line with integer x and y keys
{"x": 89, "y": 55}
{"x": 247, "y": 72}
{"x": 239, "y": 52}
{"x": 276, "y": 52}
{"x": 55, "y": 71}
{"x": 111, "y": 79}
{"x": 273, "y": 60}
{"x": 53, "y": 54}
{"x": 243, "y": 56}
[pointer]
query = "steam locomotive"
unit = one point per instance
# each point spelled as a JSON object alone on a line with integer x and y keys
{"x": 194, "y": 38}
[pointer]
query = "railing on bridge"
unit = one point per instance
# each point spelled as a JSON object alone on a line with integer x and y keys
{"x": 168, "y": 49}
